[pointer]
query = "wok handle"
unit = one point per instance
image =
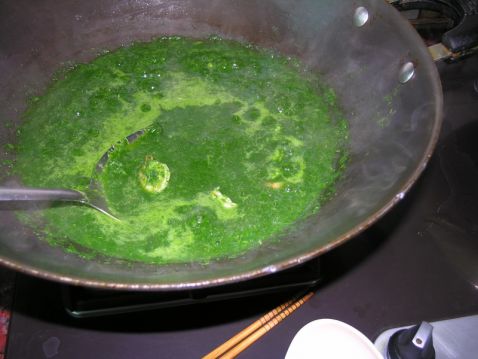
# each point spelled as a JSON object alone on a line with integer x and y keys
{"x": 463, "y": 37}
{"x": 40, "y": 194}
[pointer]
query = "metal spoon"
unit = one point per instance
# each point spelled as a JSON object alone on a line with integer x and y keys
{"x": 89, "y": 197}
{"x": 92, "y": 196}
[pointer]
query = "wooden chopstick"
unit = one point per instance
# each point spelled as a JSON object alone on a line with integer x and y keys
{"x": 245, "y": 338}
{"x": 247, "y": 331}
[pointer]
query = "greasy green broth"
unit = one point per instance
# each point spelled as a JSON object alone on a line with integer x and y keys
{"x": 242, "y": 143}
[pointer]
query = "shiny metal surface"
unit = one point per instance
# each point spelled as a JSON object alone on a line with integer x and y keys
{"x": 406, "y": 73}
{"x": 360, "y": 16}
{"x": 24, "y": 195}
{"x": 393, "y": 126}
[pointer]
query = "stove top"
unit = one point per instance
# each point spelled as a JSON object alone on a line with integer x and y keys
{"x": 82, "y": 302}
{"x": 419, "y": 262}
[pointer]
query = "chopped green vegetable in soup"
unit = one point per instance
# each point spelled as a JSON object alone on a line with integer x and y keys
{"x": 239, "y": 143}
{"x": 153, "y": 175}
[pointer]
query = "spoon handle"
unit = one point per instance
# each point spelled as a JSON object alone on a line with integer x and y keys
{"x": 39, "y": 194}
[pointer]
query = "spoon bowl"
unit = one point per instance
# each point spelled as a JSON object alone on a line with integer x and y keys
{"x": 93, "y": 196}
{"x": 90, "y": 197}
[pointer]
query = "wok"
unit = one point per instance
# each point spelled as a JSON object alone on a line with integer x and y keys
{"x": 384, "y": 76}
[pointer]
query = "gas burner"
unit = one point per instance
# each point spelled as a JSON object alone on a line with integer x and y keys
{"x": 81, "y": 302}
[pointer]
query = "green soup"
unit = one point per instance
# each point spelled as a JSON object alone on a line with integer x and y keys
{"x": 239, "y": 144}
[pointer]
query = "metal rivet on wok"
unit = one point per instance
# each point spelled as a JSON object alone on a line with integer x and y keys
{"x": 360, "y": 16}
{"x": 406, "y": 72}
